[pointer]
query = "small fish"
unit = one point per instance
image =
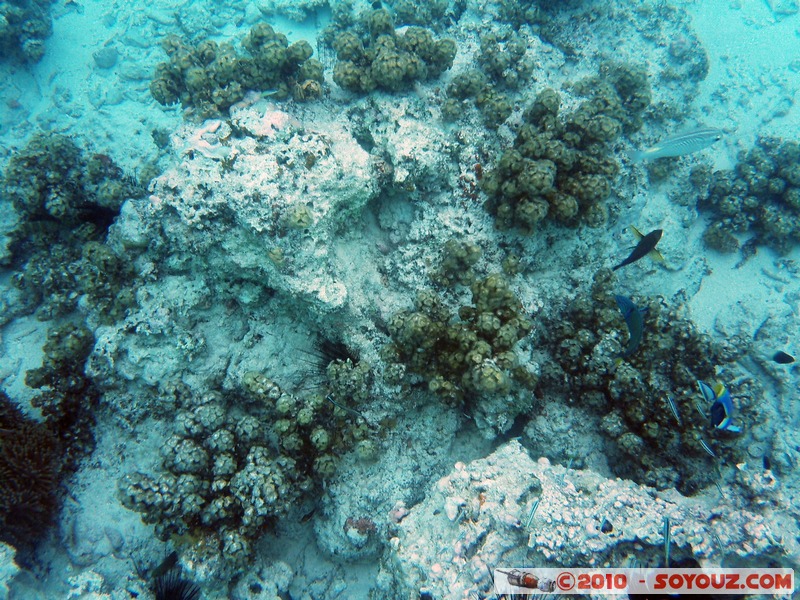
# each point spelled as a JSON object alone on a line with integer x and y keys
{"x": 606, "y": 527}
{"x": 678, "y": 145}
{"x": 646, "y": 246}
{"x": 674, "y": 409}
{"x": 307, "y": 517}
{"x": 533, "y": 512}
{"x": 782, "y": 358}
{"x": 721, "y": 406}
{"x": 634, "y": 319}
{"x": 707, "y": 448}
{"x": 165, "y": 566}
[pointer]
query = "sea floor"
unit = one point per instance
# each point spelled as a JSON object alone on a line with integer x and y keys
{"x": 350, "y": 275}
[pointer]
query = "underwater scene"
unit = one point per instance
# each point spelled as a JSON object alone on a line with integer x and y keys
{"x": 343, "y": 299}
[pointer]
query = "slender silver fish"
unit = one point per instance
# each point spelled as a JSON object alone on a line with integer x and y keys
{"x": 678, "y": 145}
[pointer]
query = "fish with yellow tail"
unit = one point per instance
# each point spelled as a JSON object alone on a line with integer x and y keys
{"x": 645, "y": 247}
{"x": 721, "y": 406}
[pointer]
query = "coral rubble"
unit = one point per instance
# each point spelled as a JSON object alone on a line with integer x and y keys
{"x": 507, "y": 509}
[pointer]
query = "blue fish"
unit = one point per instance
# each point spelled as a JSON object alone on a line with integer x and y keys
{"x": 721, "y": 406}
{"x": 634, "y": 319}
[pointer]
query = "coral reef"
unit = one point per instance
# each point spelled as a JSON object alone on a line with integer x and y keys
{"x": 507, "y": 509}
{"x": 273, "y": 226}
{"x": 372, "y": 55}
{"x": 173, "y": 586}
{"x": 51, "y": 180}
{"x": 471, "y": 359}
{"x": 296, "y": 10}
{"x": 66, "y": 203}
{"x": 503, "y": 66}
{"x": 68, "y": 398}
{"x": 209, "y": 78}
{"x": 24, "y": 26}
{"x": 30, "y": 473}
{"x": 518, "y": 13}
{"x": 236, "y": 463}
{"x": 561, "y": 166}
{"x": 348, "y": 382}
{"x": 678, "y": 58}
{"x": 494, "y": 105}
{"x": 650, "y": 446}
{"x": 759, "y": 196}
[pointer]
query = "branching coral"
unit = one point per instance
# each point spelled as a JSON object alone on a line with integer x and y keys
{"x": 68, "y": 397}
{"x": 30, "y": 467}
{"x": 469, "y": 358}
{"x": 430, "y": 14}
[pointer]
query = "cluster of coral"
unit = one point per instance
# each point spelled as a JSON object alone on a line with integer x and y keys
{"x": 209, "y": 77}
{"x": 68, "y": 397}
{"x": 236, "y": 462}
{"x": 650, "y": 445}
{"x": 65, "y": 203}
{"x": 36, "y": 455}
{"x": 470, "y": 358}
{"x": 24, "y": 26}
{"x": 759, "y": 196}
{"x": 262, "y": 219}
{"x": 561, "y": 166}
{"x": 459, "y": 258}
{"x": 371, "y": 54}
{"x": 502, "y": 66}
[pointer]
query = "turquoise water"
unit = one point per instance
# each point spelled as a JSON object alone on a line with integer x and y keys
{"x": 311, "y": 300}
